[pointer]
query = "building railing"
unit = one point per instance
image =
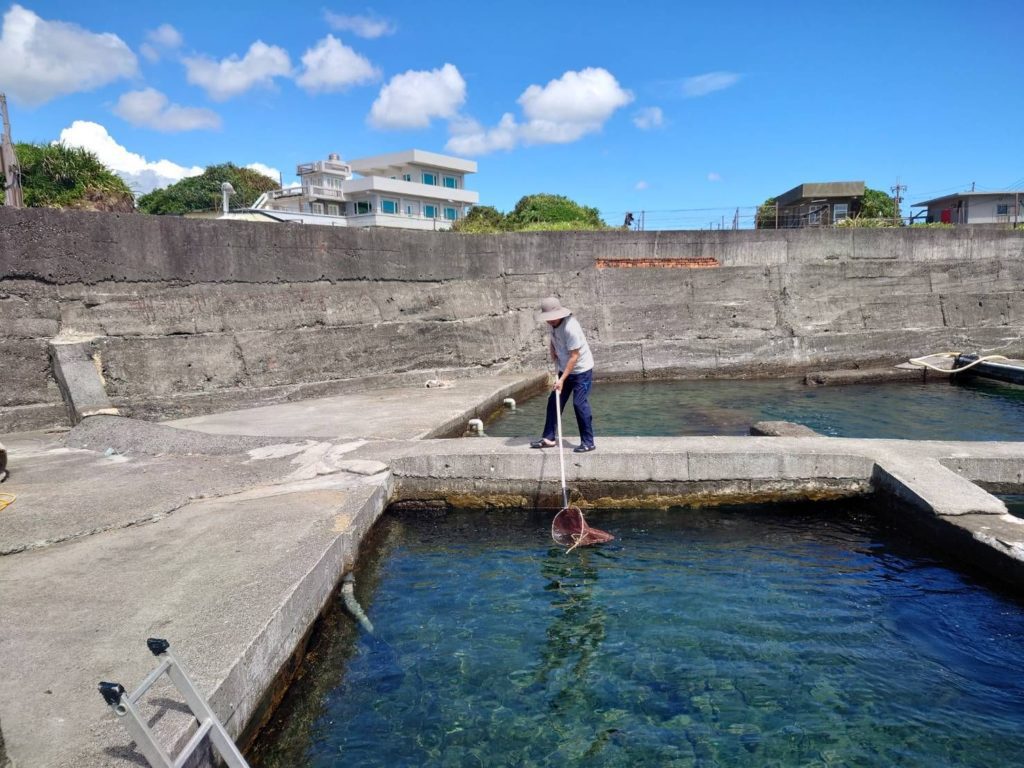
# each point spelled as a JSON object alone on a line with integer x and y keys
{"x": 821, "y": 214}
{"x": 334, "y": 194}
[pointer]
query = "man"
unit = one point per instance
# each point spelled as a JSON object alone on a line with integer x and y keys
{"x": 569, "y": 349}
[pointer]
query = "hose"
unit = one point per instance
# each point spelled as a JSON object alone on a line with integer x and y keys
{"x": 921, "y": 361}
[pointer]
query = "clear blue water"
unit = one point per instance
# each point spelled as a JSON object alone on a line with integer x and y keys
{"x": 806, "y": 635}
{"x": 977, "y": 410}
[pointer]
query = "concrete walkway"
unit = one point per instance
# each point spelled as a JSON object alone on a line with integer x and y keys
{"x": 226, "y": 534}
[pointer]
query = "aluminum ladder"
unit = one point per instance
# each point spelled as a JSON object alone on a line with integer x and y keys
{"x": 123, "y": 704}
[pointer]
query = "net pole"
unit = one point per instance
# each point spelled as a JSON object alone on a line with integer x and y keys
{"x": 561, "y": 454}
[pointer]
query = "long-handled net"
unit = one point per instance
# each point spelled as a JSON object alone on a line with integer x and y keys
{"x": 569, "y": 528}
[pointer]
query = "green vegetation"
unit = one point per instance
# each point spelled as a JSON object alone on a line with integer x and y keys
{"x": 202, "y": 193}
{"x": 58, "y": 176}
{"x": 766, "y": 214}
{"x": 533, "y": 213}
{"x": 861, "y": 222}
{"x": 877, "y": 205}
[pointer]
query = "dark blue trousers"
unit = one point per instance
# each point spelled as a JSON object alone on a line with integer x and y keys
{"x": 578, "y": 385}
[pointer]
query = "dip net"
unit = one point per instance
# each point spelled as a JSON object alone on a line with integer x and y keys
{"x": 570, "y": 529}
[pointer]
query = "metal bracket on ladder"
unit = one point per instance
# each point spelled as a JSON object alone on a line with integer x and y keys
{"x": 123, "y": 704}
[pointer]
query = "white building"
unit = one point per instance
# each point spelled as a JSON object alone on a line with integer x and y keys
{"x": 411, "y": 189}
{"x": 976, "y": 208}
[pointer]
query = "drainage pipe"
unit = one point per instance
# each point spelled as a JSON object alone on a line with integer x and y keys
{"x": 348, "y": 595}
{"x": 510, "y": 403}
{"x": 476, "y": 426}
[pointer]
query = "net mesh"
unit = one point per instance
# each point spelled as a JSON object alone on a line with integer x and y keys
{"x": 570, "y": 529}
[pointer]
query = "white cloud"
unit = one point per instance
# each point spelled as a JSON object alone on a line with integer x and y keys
{"x": 471, "y": 138}
{"x": 560, "y": 112}
{"x": 163, "y": 38}
{"x": 649, "y": 118}
{"x": 266, "y": 170}
{"x": 412, "y": 99}
{"x": 585, "y": 98}
{"x": 331, "y": 66}
{"x": 701, "y": 85}
{"x": 149, "y": 108}
{"x": 232, "y": 76}
{"x": 140, "y": 174}
{"x": 714, "y": 176}
{"x": 40, "y": 59}
{"x": 361, "y": 26}
{"x": 640, "y": 186}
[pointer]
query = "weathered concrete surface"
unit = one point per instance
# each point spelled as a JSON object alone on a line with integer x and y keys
{"x": 230, "y": 556}
{"x": 867, "y": 376}
{"x": 380, "y": 414}
{"x": 191, "y": 317}
{"x": 781, "y": 429}
{"x": 233, "y": 582}
{"x": 77, "y": 373}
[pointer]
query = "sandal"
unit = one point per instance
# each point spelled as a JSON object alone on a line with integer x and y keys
{"x": 543, "y": 443}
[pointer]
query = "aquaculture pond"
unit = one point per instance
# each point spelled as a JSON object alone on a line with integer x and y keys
{"x": 798, "y": 635}
{"x": 976, "y": 410}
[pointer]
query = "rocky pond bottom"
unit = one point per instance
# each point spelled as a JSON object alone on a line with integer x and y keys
{"x": 974, "y": 410}
{"x": 799, "y": 635}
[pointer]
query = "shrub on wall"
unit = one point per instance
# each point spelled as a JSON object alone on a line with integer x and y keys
{"x": 59, "y": 176}
{"x": 533, "y": 213}
{"x": 202, "y": 192}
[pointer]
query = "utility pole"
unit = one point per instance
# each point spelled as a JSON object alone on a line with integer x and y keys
{"x": 896, "y": 190}
{"x": 9, "y": 167}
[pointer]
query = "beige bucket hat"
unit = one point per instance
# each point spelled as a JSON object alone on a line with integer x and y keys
{"x": 551, "y": 309}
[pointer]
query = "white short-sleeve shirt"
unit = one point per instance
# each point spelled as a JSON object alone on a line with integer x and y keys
{"x": 567, "y": 336}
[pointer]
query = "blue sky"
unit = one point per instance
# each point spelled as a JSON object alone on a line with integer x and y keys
{"x": 682, "y": 110}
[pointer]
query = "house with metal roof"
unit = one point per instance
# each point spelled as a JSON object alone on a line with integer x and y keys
{"x": 813, "y": 204}
{"x": 412, "y": 189}
{"x": 975, "y": 208}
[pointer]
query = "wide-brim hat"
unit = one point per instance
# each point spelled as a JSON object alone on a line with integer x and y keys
{"x": 551, "y": 309}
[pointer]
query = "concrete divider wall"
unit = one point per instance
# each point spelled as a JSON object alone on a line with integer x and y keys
{"x": 187, "y": 315}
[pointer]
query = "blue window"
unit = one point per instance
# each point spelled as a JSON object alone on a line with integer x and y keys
{"x": 430, "y": 178}
{"x": 406, "y": 177}
{"x": 389, "y": 206}
{"x": 451, "y": 182}
{"x": 430, "y": 211}
{"x": 450, "y": 214}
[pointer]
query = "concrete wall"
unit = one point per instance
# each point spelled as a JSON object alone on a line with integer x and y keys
{"x": 186, "y": 316}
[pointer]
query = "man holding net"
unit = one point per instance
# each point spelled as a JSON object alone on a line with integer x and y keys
{"x": 569, "y": 349}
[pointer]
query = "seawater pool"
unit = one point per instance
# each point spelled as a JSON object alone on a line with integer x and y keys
{"x": 797, "y": 635}
{"x": 975, "y": 410}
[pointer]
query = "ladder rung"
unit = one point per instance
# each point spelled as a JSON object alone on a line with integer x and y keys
{"x": 151, "y": 678}
{"x": 186, "y": 753}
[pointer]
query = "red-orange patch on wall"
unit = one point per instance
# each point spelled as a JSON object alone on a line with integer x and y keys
{"x": 705, "y": 263}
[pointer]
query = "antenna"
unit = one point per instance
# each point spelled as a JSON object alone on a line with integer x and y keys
{"x": 896, "y": 190}
{"x": 9, "y": 162}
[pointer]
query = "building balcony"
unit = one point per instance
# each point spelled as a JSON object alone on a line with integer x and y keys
{"x": 411, "y": 189}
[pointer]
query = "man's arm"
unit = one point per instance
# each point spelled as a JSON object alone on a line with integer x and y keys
{"x": 574, "y": 355}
